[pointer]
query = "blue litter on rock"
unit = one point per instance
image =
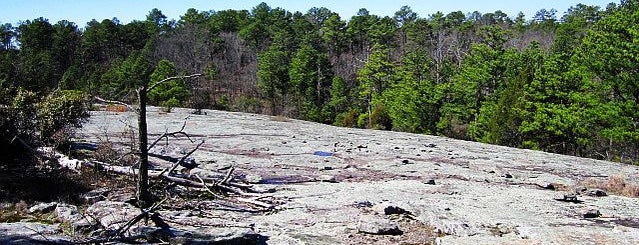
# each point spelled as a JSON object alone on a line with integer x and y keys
{"x": 323, "y": 154}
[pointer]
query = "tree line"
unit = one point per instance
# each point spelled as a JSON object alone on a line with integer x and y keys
{"x": 567, "y": 84}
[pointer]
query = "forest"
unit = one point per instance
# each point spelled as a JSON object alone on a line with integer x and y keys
{"x": 563, "y": 83}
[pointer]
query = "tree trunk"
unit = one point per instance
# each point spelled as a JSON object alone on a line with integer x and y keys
{"x": 144, "y": 197}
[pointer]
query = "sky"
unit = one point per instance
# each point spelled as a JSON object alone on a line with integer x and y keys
{"x": 83, "y": 11}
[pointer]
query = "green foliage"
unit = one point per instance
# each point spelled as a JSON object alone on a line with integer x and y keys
{"x": 376, "y": 76}
{"x": 222, "y": 103}
{"x": 413, "y": 102}
{"x": 168, "y": 105}
{"x": 247, "y": 104}
{"x": 347, "y": 119}
{"x": 379, "y": 118}
{"x": 363, "y": 120}
{"x": 124, "y": 77}
{"x": 61, "y": 110}
{"x": 310, "y": 76}
{"x": 272, "y": 75}
{"x": 175, "y": 90}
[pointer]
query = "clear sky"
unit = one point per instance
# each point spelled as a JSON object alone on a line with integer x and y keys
{"x": 82, "y": 11}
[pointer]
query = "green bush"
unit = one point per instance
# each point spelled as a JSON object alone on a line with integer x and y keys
{"x": 168, "y": 105}
{"x": 247, "y": 104}
{"x": 362, "y": 120}
{"x": 347, "y": 119}
{"x": 380, "y": 119}
{"x": 61, "y": 110}
{"x": 222, "y": 103}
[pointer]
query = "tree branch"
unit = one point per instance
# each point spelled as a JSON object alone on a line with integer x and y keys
{"x": 174, "y": 134}
{"x": 185, "y": 156}
{"x": 172, "y": 78}
{"x": 113, "y": 102}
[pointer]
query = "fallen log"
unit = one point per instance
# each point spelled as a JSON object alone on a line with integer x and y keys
{"x": 221, "y": 185}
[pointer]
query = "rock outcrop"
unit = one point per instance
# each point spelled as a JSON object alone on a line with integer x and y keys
{"x": 389, "y": 187}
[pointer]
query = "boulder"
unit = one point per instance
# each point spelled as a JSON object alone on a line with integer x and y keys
{"x": 95, "y": 195}
{"x": 327, "y": 178}
{"x": 230, "y": 236}
{"x": 591, "y": 213}
{"x": 377, "y": 226}
{"x": 69, "y": 213}
{"x": 31, "y": 233}
{"x": 111, "y": 214}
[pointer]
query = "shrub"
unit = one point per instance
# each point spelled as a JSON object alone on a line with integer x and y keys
{"x": 168, "y": 105}
{"x": 380, "y": 119}
{"x": 222, "y": 103}
{"x": 61, "y": 110}
{"x": 363, "y": 120}
{"x": 347, "y": 119}
{"x": 247, "y": 104}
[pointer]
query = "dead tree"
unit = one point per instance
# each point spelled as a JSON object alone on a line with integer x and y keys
{"x": 143, "y": 194}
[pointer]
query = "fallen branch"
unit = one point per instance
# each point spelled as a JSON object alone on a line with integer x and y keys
{"x": 174, "y": 134}
{"x": 145, "y": 212}
{"x": 207, "y": 188}
{"x": 228, "y": 176}
{"x": 185, "y": 156}
{"x": 223, "y": 185}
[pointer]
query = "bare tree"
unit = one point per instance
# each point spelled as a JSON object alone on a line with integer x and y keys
{"x": 143, "y": 194}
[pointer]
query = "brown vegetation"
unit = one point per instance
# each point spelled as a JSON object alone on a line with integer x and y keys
{"x": 615, "y": 184}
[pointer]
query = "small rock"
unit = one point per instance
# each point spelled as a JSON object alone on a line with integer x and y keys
{"x": 69, "y": 213}
{"x": 253, "y": 179}
{"x": 597, "y": 193}
{"x": 325, "y": 168}
{"x": 43, "y": 207}
{"x": 112, "y": 215}
{"x": 500, "y": 229}
{"x": 581, "y": 189}
{"x": 405, "y": 161}
{"x": 95, "y": 195}
{"x": 546, "y": 185}
{"x": 430, "y": 182}
{"x": 431, "y": 145}
{"x": 363, "y": 204}
{"x": 376, "y": 226}
{"x": 362, "y": 146}
{"x": 263, "y": 189}
{"x": 389, "y": 209}
{"x": 215, "y": 236}
{"x": 591, "y": 213}
{"x": 327, "y": 178}
{"x": 507, "y": 176}
{"x": 571, "y": 197}
{"x": 397, "y": 148}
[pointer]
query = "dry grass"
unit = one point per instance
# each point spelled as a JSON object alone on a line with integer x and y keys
{"x": 280, "y": 118}
{"x": 616, "y": 184}
{"x": 116, "y": 108}
{"x": 16, "y": 212}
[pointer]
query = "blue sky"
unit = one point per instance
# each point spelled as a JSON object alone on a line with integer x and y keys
{"x": 82, "y": 11}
